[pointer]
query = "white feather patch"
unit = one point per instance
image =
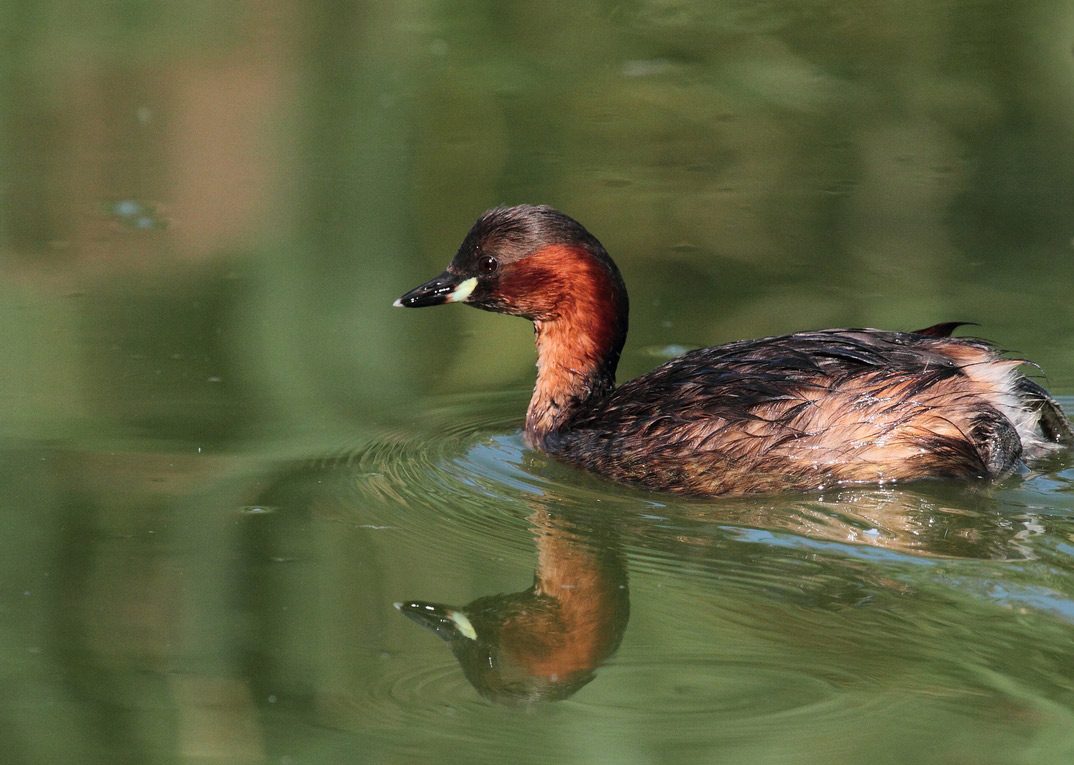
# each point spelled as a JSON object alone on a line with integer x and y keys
{"x": 1001, "y": 377}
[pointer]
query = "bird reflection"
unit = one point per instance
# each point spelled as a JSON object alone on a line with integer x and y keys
{"x": 926, "y": 520}
{"x": 545, "y": 642}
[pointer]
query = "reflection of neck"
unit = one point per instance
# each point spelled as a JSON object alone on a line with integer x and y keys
{"x": 585, "y": 579}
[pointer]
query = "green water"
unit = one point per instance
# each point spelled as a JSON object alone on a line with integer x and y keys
{"x": 226, "y": 456}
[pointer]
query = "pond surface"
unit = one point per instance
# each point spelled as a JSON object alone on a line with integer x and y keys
{"x": 232, "y": 471}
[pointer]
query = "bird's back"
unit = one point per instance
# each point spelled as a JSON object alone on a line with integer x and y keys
{"x": 816, "y": 409}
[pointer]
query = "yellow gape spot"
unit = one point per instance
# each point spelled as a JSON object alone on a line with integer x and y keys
{"x": 466, "y": 629}
{"x": 460, "y": 293}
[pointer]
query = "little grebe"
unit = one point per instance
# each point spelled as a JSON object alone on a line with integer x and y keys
{"x": 794, "y": 413}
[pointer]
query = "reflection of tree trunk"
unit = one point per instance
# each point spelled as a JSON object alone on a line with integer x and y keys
{"x": 544, "y": 643}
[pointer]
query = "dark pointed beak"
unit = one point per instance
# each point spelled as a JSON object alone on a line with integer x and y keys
{"x": 442, "y": 289}
{"x": 447, "y": 622}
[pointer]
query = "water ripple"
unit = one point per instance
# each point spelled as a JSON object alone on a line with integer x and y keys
{"x": 706, "y": 699}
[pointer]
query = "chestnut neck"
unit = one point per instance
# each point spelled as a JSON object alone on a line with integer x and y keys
{"x": 579, "y": 332}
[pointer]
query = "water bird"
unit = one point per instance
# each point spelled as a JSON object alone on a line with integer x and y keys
{"x": 794, "y": 413}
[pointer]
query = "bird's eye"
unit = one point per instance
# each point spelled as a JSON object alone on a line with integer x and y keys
{"x": 487, "y": 264}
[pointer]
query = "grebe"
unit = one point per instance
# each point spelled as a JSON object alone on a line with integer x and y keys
{"x": 800, "y": 412}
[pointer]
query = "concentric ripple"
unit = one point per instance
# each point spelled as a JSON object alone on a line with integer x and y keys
{"x": 460, "y": 479}
{"x": 704, "y": 686}
{"x": 409, "y": 692}
{"x": 698, "y": 701}
{"x": 462, "y": 475}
